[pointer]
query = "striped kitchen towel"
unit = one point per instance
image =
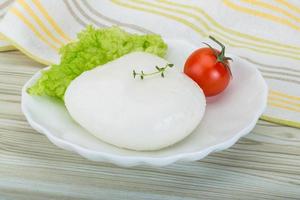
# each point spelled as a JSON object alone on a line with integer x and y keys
{"x": 4, "y": 6}
{"x": 264, "y": 32}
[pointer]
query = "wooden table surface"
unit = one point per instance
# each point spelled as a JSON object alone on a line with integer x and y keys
{"x": 263, "y": 165}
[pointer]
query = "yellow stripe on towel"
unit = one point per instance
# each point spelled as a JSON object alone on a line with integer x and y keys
{"x": 51, "y": 20}
{"x": 282, "y": 106}
{"x": 230, "y": 42}
{"x": 288, "y": 96}
{"x": 181, "y": 20}
{"x": 289, "y": 5}
{"x": 287, "y": 102}
{"x": 272, "y": 8}
{"x": 17, "y": 13}
{"x": 284, "y": 101}
{"x": 270, "y": 17}
{"x": 25, "y": 51}
{"x": 39, "y": 21}
{"x": 254, "y": 39}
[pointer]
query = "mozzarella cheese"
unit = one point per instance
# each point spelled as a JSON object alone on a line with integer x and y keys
{"x": 136, "y": 114}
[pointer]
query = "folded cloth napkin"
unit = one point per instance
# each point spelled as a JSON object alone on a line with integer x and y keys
{"x": 266, "y": 33}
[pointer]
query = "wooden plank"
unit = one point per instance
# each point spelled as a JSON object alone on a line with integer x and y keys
{"x": 263, "y": 165}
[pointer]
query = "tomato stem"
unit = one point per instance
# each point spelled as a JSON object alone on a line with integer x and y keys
{"x": 220, "y": 56}
{"x": 214, "y": 50}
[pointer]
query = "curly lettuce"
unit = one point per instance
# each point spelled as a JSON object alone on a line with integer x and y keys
{"x": 94, "y": 47}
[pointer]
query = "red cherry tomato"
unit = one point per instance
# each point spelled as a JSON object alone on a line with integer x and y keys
{"x": 209, "y": 68}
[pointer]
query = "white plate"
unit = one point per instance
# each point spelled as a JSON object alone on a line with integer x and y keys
{"x": 228, "y": 117}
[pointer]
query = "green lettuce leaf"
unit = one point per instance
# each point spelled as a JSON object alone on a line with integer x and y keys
{"x": 94, "y": 47}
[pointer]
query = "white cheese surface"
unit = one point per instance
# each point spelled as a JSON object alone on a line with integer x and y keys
{"x": 147, "y": 114}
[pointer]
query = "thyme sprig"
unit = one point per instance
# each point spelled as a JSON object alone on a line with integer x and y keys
{"x": 159, "y": 70}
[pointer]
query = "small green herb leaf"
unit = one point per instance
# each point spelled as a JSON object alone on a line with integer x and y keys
{"x": 134, "y": 73}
